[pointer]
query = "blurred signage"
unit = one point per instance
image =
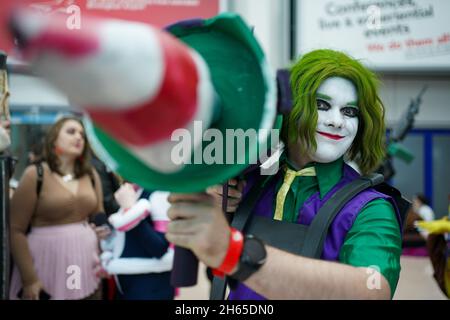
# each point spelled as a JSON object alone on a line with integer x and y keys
{"x": 387, "y": 35}
{"x": 156, "y": 12}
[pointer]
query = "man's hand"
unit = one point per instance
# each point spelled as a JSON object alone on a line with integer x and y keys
{"x": 234, "y": 194}
{"x": 199, "y": 224}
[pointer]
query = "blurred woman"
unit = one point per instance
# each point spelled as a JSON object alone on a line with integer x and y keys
{"x": 58, "y": 257}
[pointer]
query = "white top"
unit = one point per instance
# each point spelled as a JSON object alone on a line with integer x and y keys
{"x": 426, "y": 213}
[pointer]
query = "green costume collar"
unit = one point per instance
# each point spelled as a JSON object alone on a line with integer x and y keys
{"x": 327, "y": 174}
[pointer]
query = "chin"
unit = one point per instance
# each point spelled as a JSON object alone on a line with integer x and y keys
{"x": 326, "y": 157}
{"x": 77, "y": 152}
{"x": 75, "y": 155}
{"x": 328, "y": 152}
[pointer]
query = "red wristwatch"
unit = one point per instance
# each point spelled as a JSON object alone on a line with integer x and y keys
{"x": 233, "y": 254}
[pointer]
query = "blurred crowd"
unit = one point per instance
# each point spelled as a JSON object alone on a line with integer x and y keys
{"x": 78, "y": 231}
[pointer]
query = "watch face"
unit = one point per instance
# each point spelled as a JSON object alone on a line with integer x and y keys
{"x": 255, "y": 251}
{"x": 252, "y": 258}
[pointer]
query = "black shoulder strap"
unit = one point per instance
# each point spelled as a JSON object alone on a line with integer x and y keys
{"x": 317, "y": 231}
{"x": 403, "y": 204}
{"x": 240, "y": 218}
{"x": 40, "y": 177}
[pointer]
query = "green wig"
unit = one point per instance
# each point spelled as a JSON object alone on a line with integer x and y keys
{"x": 307, "y": 75}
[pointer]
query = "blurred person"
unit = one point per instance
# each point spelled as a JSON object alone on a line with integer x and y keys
{"x": 421, "y": 206}
{"x": 110, "y": 184}
{"x": 414, "y": 239}
{"x": 137, "y": 253}
{"x": 34, "y": 156}
{"x": 438, "y": 245}
{"x": 5, "y": 116}
{"x": 5, "y": 119}
{"x": 36, "y": 152}
{"x": 437, "y": 235}
{"x": 57, "y": 258}
{"x": 5, "y": 131}
{"x": 5, "y": 142}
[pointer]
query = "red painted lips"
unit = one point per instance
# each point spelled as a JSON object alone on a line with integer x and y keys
{"x": 331, "y": 136}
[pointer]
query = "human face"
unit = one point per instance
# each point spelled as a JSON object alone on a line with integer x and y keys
{"x": 70, "y": 141}
{"x": 337, "y": 122}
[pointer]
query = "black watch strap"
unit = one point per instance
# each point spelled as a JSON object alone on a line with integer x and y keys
{"x": 252, "y": 258}
{"x": 243, "y": 273}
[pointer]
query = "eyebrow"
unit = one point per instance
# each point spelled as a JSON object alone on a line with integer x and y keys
{"x": 325, "y": 97}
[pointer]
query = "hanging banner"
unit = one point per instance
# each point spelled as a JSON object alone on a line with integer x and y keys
{"x": 157, "y": 12}
{"x": 387, "y": 35}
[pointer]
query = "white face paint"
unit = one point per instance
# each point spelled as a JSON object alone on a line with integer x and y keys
{"x": 337, "y": 122}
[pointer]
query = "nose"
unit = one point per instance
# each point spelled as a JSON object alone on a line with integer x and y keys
{"x": 80, "y": 138}
{"x": 335, "y": 119}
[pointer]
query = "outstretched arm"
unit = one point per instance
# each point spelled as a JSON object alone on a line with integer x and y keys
{"x": 303, "y": 278}
{"x": 200, "y": 225}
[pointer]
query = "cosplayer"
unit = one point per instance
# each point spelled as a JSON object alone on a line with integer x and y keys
{"x": 337, "y": 116}
{"x": 438, "y": 245}
{"x": 226, "y": 83}
{"x": 137, "y": 253}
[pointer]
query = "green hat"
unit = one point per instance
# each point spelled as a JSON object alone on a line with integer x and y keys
{"x": 246, "y": 90}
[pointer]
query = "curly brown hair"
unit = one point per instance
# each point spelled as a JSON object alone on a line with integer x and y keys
{"x": 82, "y": 164}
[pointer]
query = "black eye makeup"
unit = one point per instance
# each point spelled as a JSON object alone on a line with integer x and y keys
{"x": 322, "y": 104}
{"x": 350, "y": 112}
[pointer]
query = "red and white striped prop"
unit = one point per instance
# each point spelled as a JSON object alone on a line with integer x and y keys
{"x": 136, "y": 82}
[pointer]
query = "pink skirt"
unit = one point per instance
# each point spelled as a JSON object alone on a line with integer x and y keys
{"x": 65, "y": 259}
{"x": 415, "y": 252}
